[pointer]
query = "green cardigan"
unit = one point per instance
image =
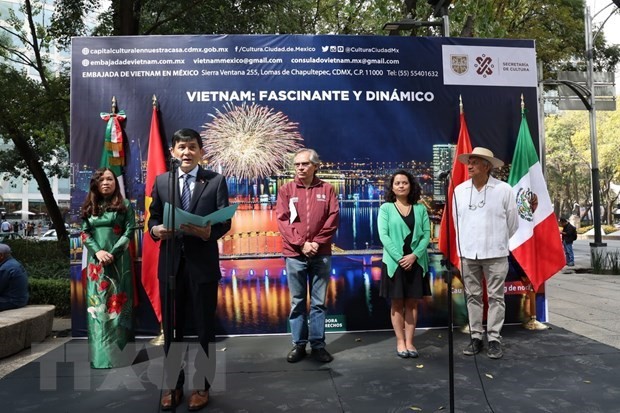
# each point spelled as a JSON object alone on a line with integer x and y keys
{"x": 393, "y": 231}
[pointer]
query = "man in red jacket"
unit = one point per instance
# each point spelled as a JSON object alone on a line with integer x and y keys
{"x": 308, "y": 213}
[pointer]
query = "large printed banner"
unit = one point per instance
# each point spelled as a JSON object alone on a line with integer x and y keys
{"x": 369, "y": 105}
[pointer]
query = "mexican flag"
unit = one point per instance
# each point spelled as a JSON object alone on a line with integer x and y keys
{"x": 113, "y": 157}
{"x": 537, "y": 244}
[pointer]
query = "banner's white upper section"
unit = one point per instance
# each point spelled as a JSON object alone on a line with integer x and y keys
{"x": 489, "y": 66}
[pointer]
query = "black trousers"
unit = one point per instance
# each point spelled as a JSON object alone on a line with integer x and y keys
{"x": 196, "y": 303}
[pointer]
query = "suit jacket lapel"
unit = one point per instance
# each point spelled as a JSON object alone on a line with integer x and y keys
{"x": 199, "y": 186}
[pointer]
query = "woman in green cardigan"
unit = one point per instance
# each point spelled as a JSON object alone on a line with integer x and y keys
{"x": 404, "y": 230}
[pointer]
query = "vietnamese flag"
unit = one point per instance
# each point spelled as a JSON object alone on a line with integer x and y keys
{"x": 155, "y": 165}
{"x": 447, "y": 234}
{"x": 537, "y": 245}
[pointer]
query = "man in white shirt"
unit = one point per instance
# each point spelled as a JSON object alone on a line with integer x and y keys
{"x": 485, "y": 216}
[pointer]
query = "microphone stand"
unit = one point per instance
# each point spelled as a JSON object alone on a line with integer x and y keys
{"x": 170, "y": 280}
{"x": 449, "y": 274}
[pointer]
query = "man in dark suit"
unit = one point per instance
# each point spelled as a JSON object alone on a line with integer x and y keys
{"x": 195, "y": 267}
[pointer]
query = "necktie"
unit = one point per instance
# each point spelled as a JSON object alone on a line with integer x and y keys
{"x": 186, "y": 194}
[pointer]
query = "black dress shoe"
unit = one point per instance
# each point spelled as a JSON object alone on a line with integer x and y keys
{"x": 321, "y": 355}
{"x": 296, "y": 354}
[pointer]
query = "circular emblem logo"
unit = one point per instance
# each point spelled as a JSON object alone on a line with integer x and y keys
{"x": 526, "y": 204}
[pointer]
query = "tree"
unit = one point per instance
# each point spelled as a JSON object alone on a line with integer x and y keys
{"x": 556, "y": 26}
{"x": 135, "y": 17}
{"x": 608, "y": 128}
{"x": 568, "y": 159}
{"x": 35, "y": 113}
{"x": 568, "y": 172}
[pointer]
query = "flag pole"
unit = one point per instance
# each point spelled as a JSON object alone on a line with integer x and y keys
{"x": 449, "y": 276}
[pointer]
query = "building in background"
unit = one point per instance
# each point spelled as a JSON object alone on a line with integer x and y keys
{"x": 18, "y": 194}
{"x": 443, "y": 154}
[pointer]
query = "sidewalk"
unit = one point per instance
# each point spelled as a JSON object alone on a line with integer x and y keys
{"x": 584, "y": 303}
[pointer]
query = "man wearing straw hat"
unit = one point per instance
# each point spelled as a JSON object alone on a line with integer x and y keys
{"x": 485, "y": 216}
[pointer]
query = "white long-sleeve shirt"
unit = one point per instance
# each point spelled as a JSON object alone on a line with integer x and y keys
{"x": 483, "y": 230}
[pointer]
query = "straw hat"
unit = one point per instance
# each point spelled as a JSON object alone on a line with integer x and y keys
{"x": 483, "y": 153}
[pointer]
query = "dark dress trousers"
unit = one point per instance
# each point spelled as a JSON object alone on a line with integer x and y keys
{"x": 196, "y": 266}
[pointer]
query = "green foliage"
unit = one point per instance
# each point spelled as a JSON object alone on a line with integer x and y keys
{"x": 56, "y": 292}
{"x": 70, "y": 19}
{"x": 606, "y": 262}
{"x": 613, "y": 258}
{"x": 607, "y": 229}
{"x": 567, "y": 168}
{"x": 42, "y": 260}
{"x": 48, "y": 273}
{"x": 32, "y": 125}
{"x": 568, "y": 158}
{"x": 557, "y": 26}
{"x": 597, "y": 259}
{"x": 583, "y": 230}
{"x": 35, "y": 113}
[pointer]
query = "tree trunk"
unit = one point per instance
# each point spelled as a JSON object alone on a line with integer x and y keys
{"x": 127, "y": 17}
{"x": 468, "y": 27}
{"x": 35, "y": 167}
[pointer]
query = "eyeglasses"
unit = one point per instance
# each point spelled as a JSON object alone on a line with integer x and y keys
{"x": 481, "y": 204}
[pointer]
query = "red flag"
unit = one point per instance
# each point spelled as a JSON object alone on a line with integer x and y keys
{"x": 155, "y": 165}
{"x": 459, "y": 174}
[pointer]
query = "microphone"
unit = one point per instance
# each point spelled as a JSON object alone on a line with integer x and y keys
{"x": 443, "y": 175}
{"x": 175, "y": 162}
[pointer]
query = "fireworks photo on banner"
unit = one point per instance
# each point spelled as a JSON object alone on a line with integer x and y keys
{"x": 250, "y": 141}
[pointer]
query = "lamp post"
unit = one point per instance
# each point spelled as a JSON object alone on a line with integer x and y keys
{"x": 596, "y": 187}
{"x": 440, "y": 9}
{"x": 408, "y": 23}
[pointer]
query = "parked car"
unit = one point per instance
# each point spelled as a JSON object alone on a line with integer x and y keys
{"x": 49, "y": 235}
{"x": 6, "y": 236}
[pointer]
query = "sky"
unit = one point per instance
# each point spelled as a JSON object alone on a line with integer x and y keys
{"x": 612, "y": 27}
